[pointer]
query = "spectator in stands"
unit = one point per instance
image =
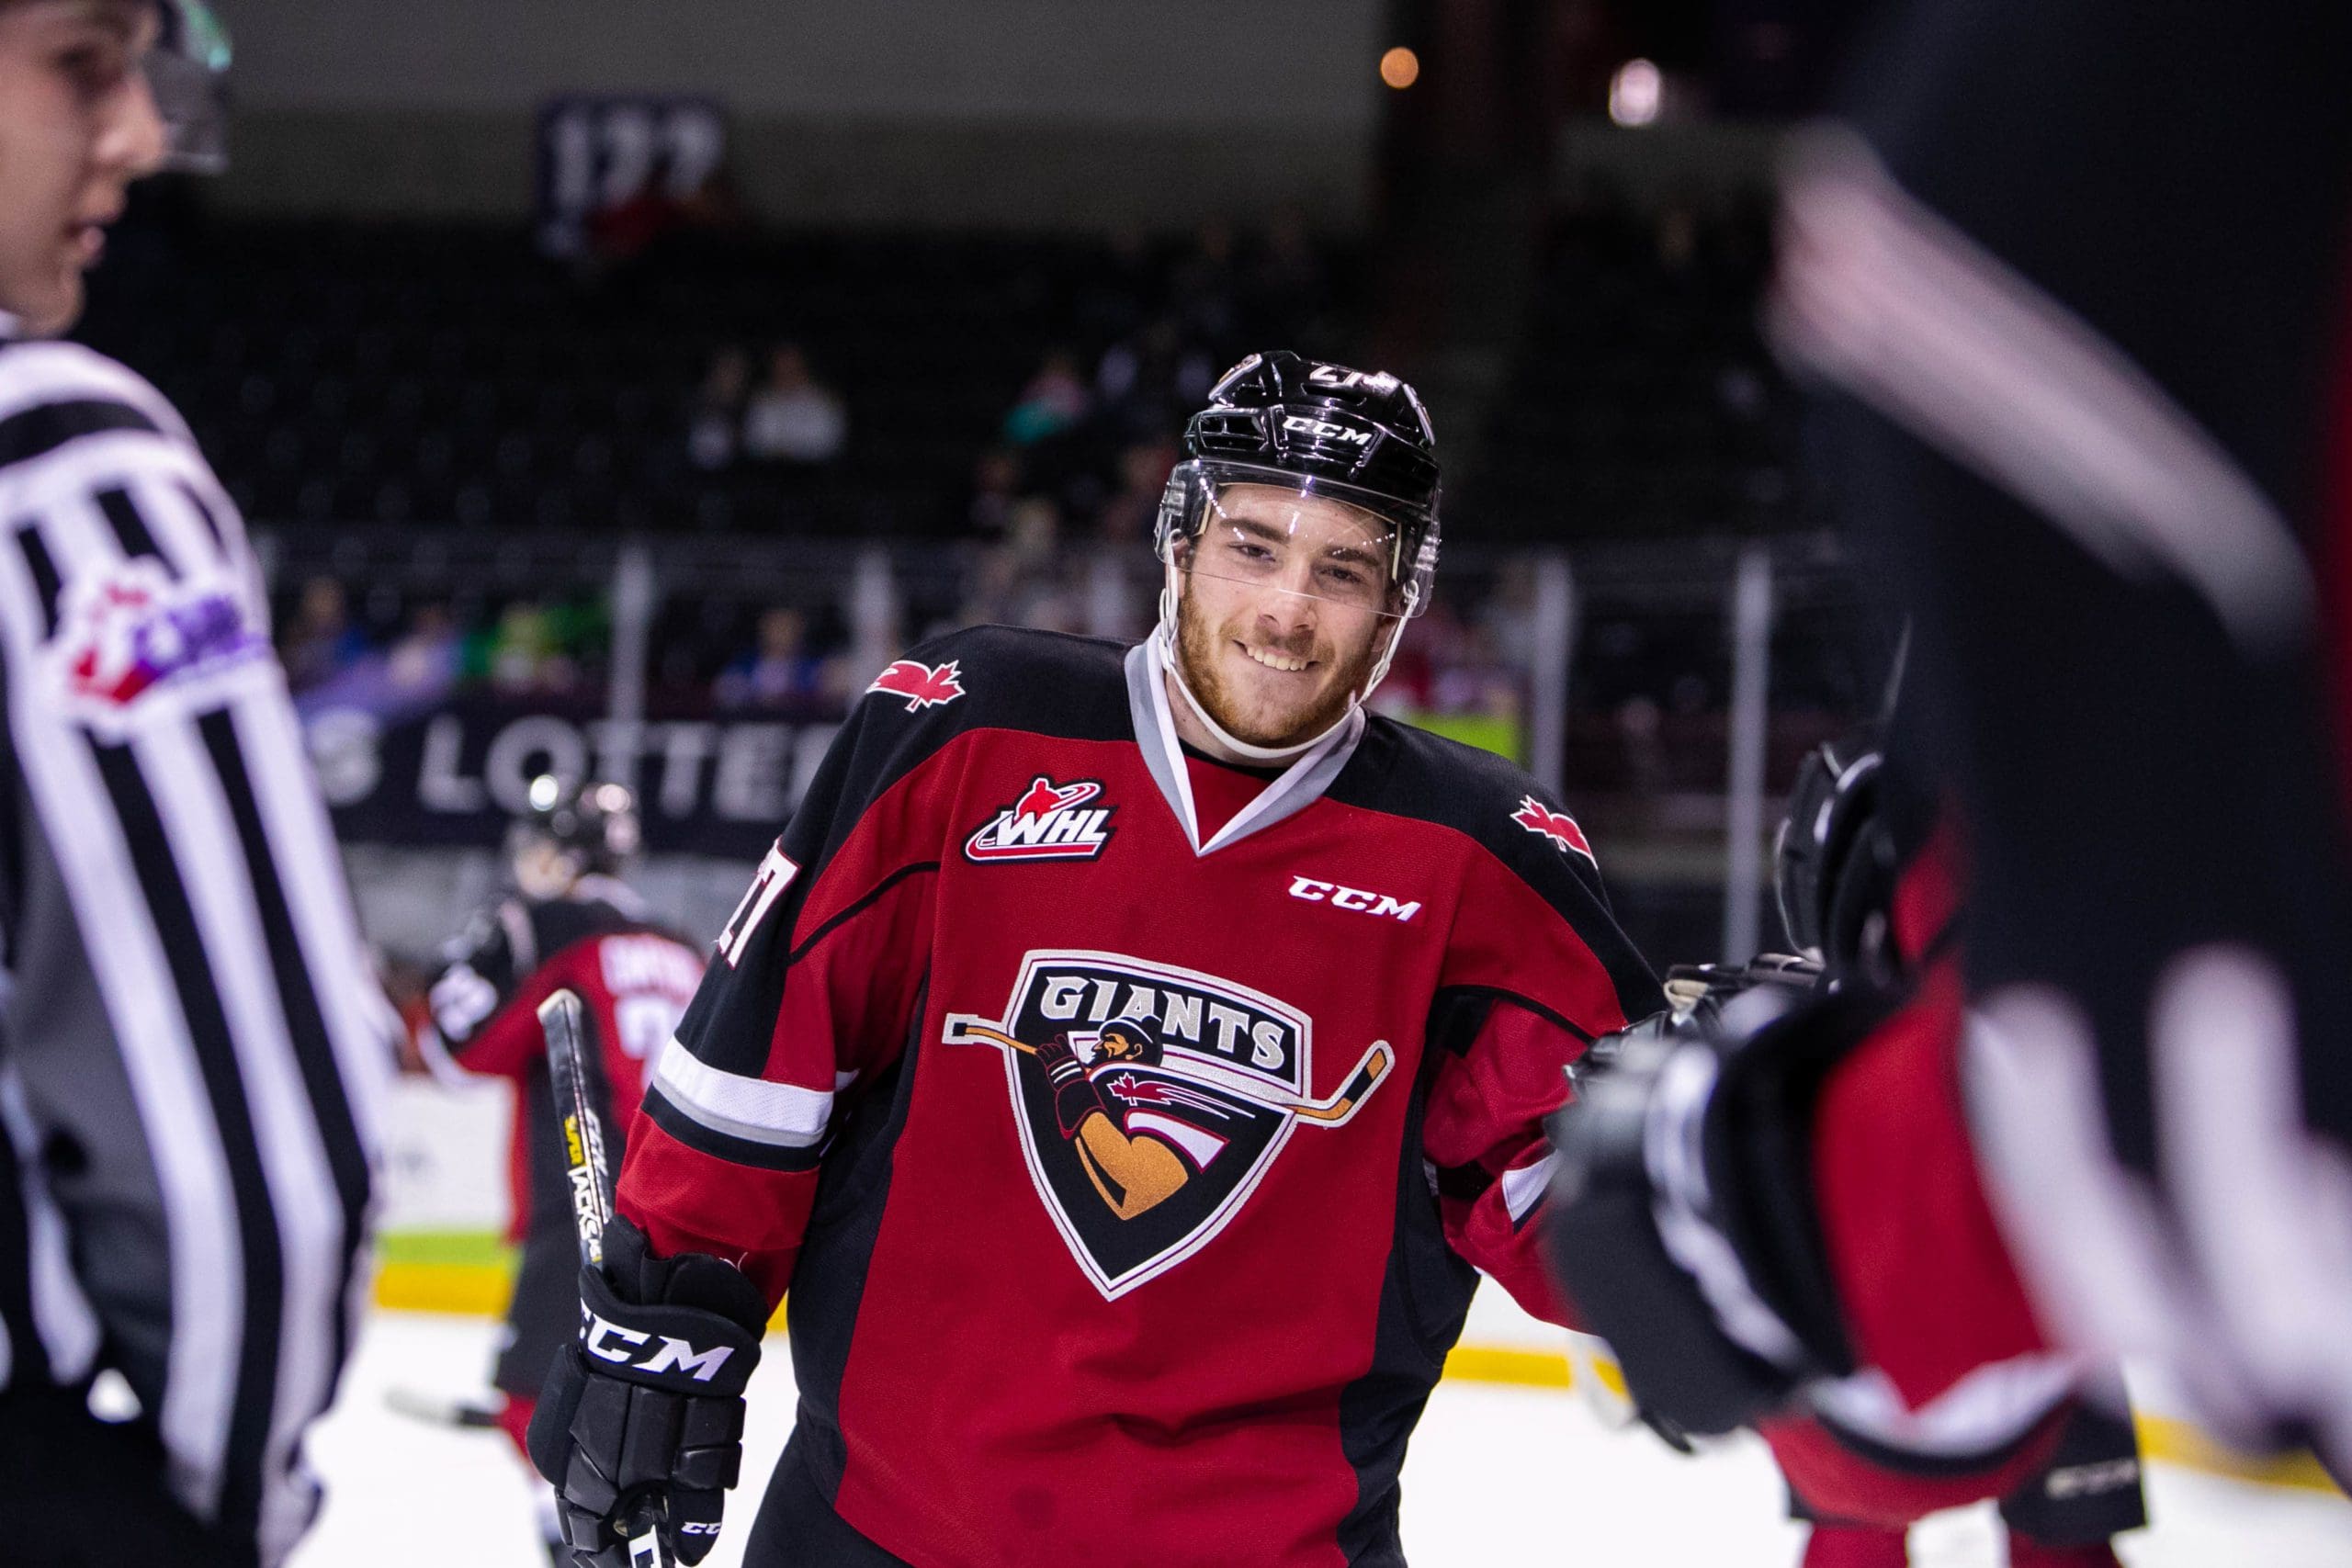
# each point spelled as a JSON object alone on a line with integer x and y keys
{"x": 525, "y": 653}
{"x": 1132, "y": 512}
{"x": 1055, "y": 400}
{"x": 1024, "y": 580}
{"x": 715, "y": 427}
{"x": 1283, "y": 287}
{"x": 321, "y": 642}
{"x": 996, "y": 485}
{"x": 794, "y": 418}
{"x": 779, "y": 670}
{"x": 424, "y": 663}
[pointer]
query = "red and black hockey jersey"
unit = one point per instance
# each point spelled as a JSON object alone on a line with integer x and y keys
{"x": 1186, "y": 1308}
{"x": 633, "y": 980}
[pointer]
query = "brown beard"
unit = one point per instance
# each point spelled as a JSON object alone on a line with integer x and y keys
{"x": 1195, "y": 650}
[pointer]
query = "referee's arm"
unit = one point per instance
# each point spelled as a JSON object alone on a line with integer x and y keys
{"x": 190, "y": 1047}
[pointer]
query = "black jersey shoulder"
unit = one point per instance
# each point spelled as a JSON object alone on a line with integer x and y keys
{"x": 1010, "y": 678}
{"x": 1411, "y": 772}
{"x": 557, "y": 923}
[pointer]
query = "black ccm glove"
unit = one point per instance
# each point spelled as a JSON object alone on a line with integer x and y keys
{"x": 1682, "y": 1221}
{"x": 648, "y": 1401}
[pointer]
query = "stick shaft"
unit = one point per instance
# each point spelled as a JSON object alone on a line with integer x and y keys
{"x": 585, "y": 1165}
{"x": 590, "y": 1172}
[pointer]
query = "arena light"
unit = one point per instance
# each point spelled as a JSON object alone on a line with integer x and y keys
{"x": 1636, "y": 93}
{"x": 1400, "y": 68}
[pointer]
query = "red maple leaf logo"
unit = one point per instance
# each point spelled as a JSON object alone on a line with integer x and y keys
{"x": 1556, "y": 826}
{"x": 923, "y": 686}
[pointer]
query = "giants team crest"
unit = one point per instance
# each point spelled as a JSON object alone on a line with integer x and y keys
{"x": 1150, "y": 1101}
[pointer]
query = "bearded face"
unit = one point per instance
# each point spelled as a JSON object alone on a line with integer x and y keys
{"x": 1283, "y": 612}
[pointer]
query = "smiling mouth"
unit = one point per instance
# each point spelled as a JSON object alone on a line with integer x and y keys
{"x": 1273, "y": 661}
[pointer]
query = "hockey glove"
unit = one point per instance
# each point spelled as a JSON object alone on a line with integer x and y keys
{"x": 647, "y": 1402}
{"x": 1681, "y": 1220}
{"x": 1075, "y": 1096}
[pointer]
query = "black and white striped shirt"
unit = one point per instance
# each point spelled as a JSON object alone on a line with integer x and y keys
{"x": 191, "y": 1047}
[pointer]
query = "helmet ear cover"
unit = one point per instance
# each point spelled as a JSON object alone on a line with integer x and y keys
{"x": 1833, "y": 801}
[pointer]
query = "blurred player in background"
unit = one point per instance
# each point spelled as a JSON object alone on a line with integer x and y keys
{"x": 1126, "y": 1060}
{"x": 2079, "y": 272}
{"x": 190, "y": 1046}
{"x": 571, "y": 923}
{"x": 1852, "y": 826}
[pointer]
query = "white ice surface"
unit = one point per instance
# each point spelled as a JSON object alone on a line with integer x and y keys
{"x": 1496, "y": 1476}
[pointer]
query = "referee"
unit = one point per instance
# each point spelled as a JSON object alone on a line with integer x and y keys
{"x": 188, "y": 1060}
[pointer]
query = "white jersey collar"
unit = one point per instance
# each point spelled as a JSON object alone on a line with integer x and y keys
{"x": 1297, "y": 787}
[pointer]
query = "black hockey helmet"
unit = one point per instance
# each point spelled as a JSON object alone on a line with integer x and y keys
{"x": 595, "y": 823}
{"x": 1358, "y": 436}
{"x": 1834, "y": 864}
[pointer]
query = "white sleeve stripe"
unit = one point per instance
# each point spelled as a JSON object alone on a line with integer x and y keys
{"x": 302, "y": 844}
{"x": 1524, "y": 1187}
{"x": 187, "y": 796}
{"x": 61, "y": 1314}
{"x": 206, "y": 1258}
{"x": 1881, "y": 293}
{"x": 781, "y": 1115}
{"x": 32, "y": 374}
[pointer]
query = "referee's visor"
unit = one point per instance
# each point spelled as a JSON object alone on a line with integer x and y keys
{"x": 188, "y": 73}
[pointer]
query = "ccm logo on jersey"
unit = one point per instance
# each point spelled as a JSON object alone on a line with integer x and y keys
{"x": 924, "y": 685}
{"x": 609, "y": 1341}
{"x": 1556, "y": 826}
{"x": 1356, "y": 898}
{"x": 1325, "y": 430}
{"x": 1050, "y": 821}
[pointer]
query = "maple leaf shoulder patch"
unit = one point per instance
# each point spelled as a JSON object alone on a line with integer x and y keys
{"x": 1557, "y": 826}
{"x": 924, "y": 685}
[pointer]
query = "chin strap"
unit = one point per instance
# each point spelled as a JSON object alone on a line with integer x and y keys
{"x": 1164, "y": 637}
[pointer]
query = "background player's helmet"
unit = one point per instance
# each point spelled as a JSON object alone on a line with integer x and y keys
{"x": 594, "y": 826}
{"x": 1127, "y": 1040}
{"x": 1359, "y": 436}
{"x": 188, "y": 73}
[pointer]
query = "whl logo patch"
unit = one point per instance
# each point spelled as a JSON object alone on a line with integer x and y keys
{"x": 1556, "y": 826}
{"x": 132, "y": 642}
{"x": 1150, "y": 1101}
{"x": 1050, "y": 821}
{"x": 924, "y": 685}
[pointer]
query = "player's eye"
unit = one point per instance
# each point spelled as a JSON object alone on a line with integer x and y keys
{"x": 95, "y": 66}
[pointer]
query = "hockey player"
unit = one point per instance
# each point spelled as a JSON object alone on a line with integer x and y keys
{"x": 2082, "y": 281}
{"x": 190, "y": 1038}
{"x": 1126, "y": 1060}
{"x": 1852, "y": 826}
{"x": 571, "y": 923}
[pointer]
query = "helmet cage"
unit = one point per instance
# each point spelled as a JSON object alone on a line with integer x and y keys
{"x": 1191, "y": 501}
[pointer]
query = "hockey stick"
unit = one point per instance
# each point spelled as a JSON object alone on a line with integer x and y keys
{"x": 591, "y": 1175}
{"x": 969, "y": 1029}
{"x": 442, "y": 1409}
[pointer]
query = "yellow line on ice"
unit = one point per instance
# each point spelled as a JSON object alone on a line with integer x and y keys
{"x": 481, "y": 1290}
